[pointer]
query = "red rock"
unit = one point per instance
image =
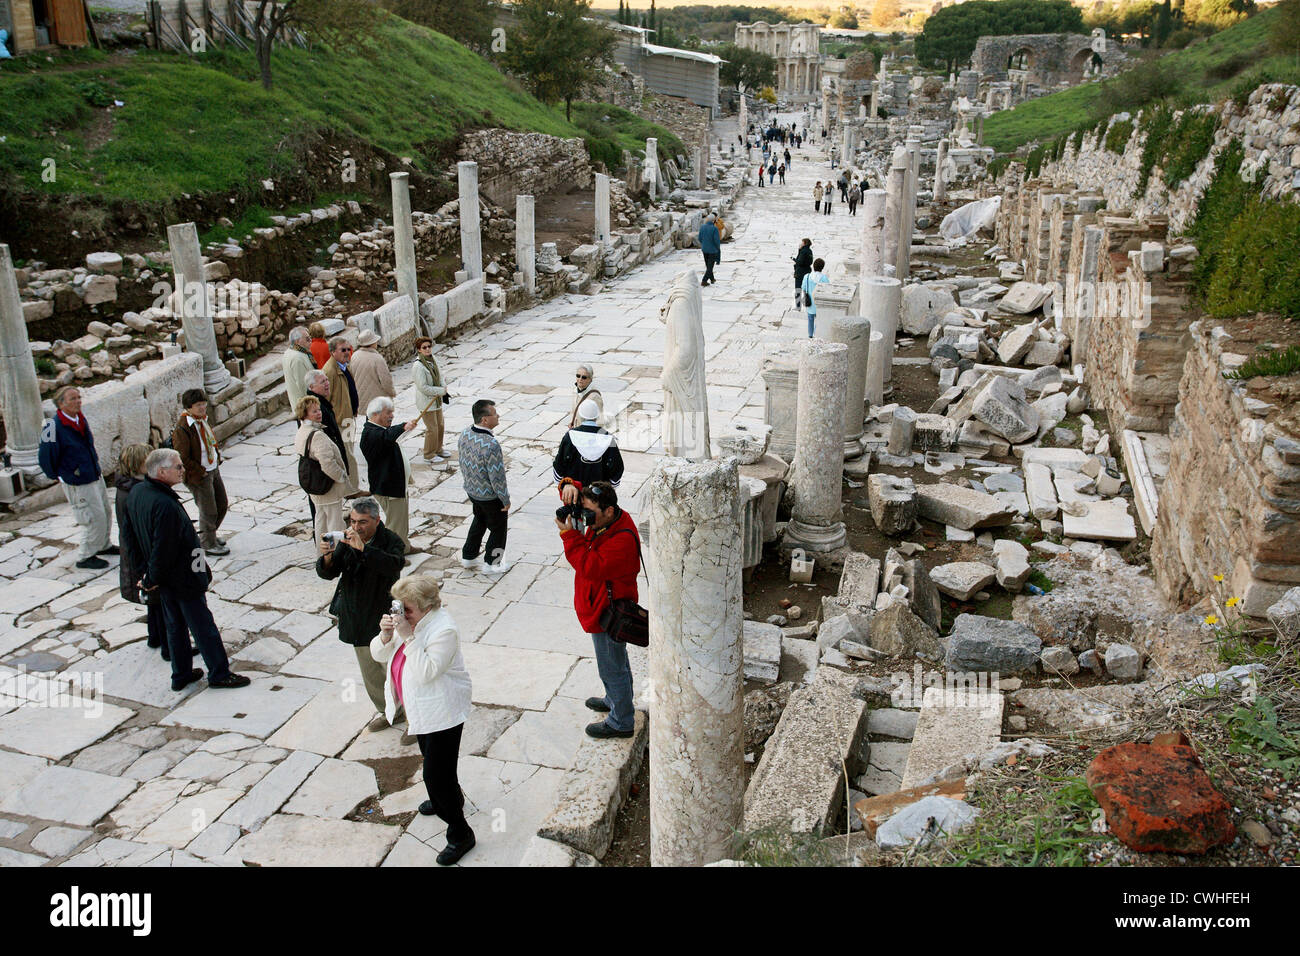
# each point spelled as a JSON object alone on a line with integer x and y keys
{"x": 1158, "y": 799}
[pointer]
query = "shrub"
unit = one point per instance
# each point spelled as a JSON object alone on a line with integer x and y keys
{"x": 1230, "y": 67}
{"x": 1034, "y": 161}
{"x": 1157, "y": 127}
{"x": 1118, "y": 135}
{"x": 1078, "y": 138}
{"x": 1255, "y": 265}
{"x": 1189, "y": 143}
{"x": 95, "y": 93}
{"x": 1270, "y": 362}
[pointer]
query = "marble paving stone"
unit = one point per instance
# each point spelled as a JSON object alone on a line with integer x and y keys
{"x": 138, "y": 673}
{"x": 256, "y": 710}
{"x": 584, "y": 680}
{"x": 114, "y": 852}
{"x": 289, "y": 840}
{"x": 549, "y": 738}
{"x": 188, "y": 817}
{"x": 9, "y": 829}
{"x": 213, "y": 840}
{"x": 204, "y": 766}
{"x": 334, "y": 789}
{"x": 293, "y": 589}
{"x": 64, "y": 795}
{"x": 327, "y": 723}
{"x": 473, "y": 614}
{"x": 57, "y": 732}
{"x": 126, "y": 634}
{"x": 408, "y": 851}
{"x": 33, "y": 593}
{"x": 514, "y": 677}
{"x": 55, "y": 842}
{"x": 16, "y": 770}
{"x": 302, "y": 628}
{"x": 326, "y": 658}
{"x": 272, "y": 791}
{"x": 484, "y": 726}
{"x": 381, "y": 745}
{"x": 18, "y": 858}
{"x": 541, "y": 628}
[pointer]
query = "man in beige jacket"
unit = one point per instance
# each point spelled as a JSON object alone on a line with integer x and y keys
{"x": 370, "y": 372}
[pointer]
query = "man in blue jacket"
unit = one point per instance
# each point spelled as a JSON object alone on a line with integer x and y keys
{"x": 711, "y": 246}
{"x": 67, "y": 453}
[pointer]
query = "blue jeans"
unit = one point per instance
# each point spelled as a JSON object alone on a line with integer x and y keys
{"x": 812, "y": 321}
{"x": 616, "y": 675}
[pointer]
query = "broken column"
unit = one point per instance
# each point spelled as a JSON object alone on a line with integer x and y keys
{"x": 19, "y": 390}
{"x": 816, "y": 522}
{"x": 195, "y": 310}
{"x": 882, "y": 303}
{"x": 907, "y": 212}
{"x": 873, "y": 236}
{"x": 652, "y": 166}
{"x": 526, "y": 240}
{"x": 404, "y": 239}
{"x": 895, "y": 197}
{"x": 602, "y": 210}
{"x": 940, "y": 187}
{"x": 471, "y": 242}
{"x": 855, "y": 332}
{"x": 700, "y": 158}
{"x": 697, "y": 776}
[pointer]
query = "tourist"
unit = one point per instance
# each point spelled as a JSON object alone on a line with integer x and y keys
{"x": 787, "y": 159}
{"x": 67, "y": 453}
{"x": 320, "y": 350}
{"x": 803, "y": 260}
{"x": 828, "y": 198}
{"x": 761, "y": 170}
{"x": 318, "y": 384}
{"x": 808, "y": 288}
{"x": 817, "y": 196}
{"x": 388, "y": 468}
{"x": 711, "y": 246}
{"x": 483, "y": 471}
{"x": 584, "y": 389}
{"x": 844, "y": 186}
{"x": 430, "y": 394}
{"x": 130, "y": 472}
{"x": 771, "y": 172}
{"x": 835, "y": 156}
{"x": 606, "y": 561}
{"x": 343, "y": 385}
{"x": 297, "y": 362}
{"x": 780, "y": 171}
{"x": 313, "y": 443}
{"x": 587, "y": 454}
{"x": 367, "y": 562}
{"x": 855, "y": 197}
{"x": 425, "y": 674}
{"x": 164, "y": 540}
{"x": 193, "y": 438}
{"x": 370, "y": 371}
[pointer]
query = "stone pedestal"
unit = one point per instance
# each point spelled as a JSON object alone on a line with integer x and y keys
{"x": 652, "y": 167}
{"x": 816, "y": 524}
{"x": 873, "y": 237}
{"x": 895, "y": 197}
{"x": 20, "y": 395}
{"x": 471, "y": 241}
{"x": 195, "y": 309}
{"x": 404, "y": 239}
{"x": 940, "y": 187}
{"x": 834, "y": 299}
{"x": 781, "y": 400}
{"x": 526, "y": 241}
{"x": 855, "y": 332}
{"x": 697, "y": 778}
{"x": 602, "y": 234}
{"x": 882, "y": 303}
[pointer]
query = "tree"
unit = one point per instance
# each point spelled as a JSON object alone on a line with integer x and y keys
{"x": 885, "y": 12}
{"x": 1285, "y": 33}
{"x": 950, "y": 34}
{"x": 468, "y": 22}
{"x": 557, "y": 50}
{"x": 331, "y": 23}
{"x": 844, "y": 19}
{"x": 751, "y": 67}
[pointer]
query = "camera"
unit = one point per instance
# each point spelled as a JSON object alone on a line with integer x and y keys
{"x": 582, "y": 517}
{"x": 334, "y": 538}
{"x": 395, "y": 611}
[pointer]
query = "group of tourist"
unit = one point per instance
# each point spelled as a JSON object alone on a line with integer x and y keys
{"x": 850, "y": 190}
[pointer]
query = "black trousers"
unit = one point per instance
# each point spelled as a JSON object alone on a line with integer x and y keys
{"x": 441, "y": 750}
{"x": 489, "y": 517}
{"x": 191, "y": 611}
{"x": 710, "y": 260}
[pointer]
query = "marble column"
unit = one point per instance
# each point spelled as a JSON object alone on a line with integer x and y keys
{"x": 781, "y": 400}
{"x": 817, "y": 517}
{"x": 697, "y": 730}
{"x": 979, "y": 130}
{"x": 697, "y": 163}
{"x": 602, "y": 235}
{"x": 652, "y": 166}
{"x": 907, "y": 218}
{"x": 855, "y": 332}
{"x": 873, "y": 386}
{"x": 744, "y": 114}
{"x": 941, "y": 157}
{"x": 526, "y": 239}
{"x": 195, "y": 309}
{"x": 471, "y": 241}
{"x": 20, "y": 394}
{"x": 882, "y": 303}
{"x": 873, "y": 237}
{"x": 826, "y": 110}
{"x": 404, "y": 240}
{"x": 895, "y": 197}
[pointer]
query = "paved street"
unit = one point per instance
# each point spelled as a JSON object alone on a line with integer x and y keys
{"x": 274, "y": 773}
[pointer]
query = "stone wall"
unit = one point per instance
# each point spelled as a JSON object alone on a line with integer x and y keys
{"x": 510, "y": 163}
{"x": 1231, "y": 502}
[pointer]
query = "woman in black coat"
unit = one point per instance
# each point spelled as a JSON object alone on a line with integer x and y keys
{"x": 803, "y": 261}
{"x": 130, "y": 473}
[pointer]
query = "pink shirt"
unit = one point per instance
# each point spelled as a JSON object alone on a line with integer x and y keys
{"x": 395, "y": 668}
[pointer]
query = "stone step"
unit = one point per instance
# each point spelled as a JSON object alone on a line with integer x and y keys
{"x": 952, "y": 724}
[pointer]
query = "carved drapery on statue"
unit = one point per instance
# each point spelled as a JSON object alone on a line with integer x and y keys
{"x": 686, "y": 407}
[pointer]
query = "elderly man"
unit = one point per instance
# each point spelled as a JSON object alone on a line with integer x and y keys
{"x": 318, "y": 384}
{"x": 297, "y": 362}
{"x": 343, "y": 386}
{"x": 711, "y": 246}
{"x": 67, "y": 453}
{"x": 367, "y": 563}
{"x": 163, "y": 536}
{"x": 483, "y": 472}
{"x": 585, "y": 390}
{"x": 370, "y": 372}
{"x": 197, "y": 445}
{"x": 389, "y": 470}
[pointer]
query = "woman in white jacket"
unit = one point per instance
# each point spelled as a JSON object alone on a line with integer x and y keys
{"x": 322, "y": 450}
{"x": 426, "y": 675}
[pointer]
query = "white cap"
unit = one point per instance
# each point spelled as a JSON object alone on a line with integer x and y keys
{"x": 588, "y": 410}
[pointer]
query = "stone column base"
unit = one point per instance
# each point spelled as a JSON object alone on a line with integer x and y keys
{"x": 853, "y": 448}
{"x": 828, "y": 545}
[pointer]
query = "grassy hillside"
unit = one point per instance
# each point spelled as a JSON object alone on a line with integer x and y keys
{"x": 1204, "y": 72}
{"x": 205, "y": 125}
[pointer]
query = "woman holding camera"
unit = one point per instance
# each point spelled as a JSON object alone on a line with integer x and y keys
{"x": 312, "y": 443}
{"x": 426, "y": 675}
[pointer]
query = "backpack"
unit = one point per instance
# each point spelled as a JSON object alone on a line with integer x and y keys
{"x": 311, "y": 477}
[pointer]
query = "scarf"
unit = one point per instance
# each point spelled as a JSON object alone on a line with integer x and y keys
{"x": 209, "y": 439}
{"x": 78, "y": 424}
{"x": 432, "y": 366}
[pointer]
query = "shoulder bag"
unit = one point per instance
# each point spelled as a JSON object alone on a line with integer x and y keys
{"x": 311, "y": 477}
{"x": 624, "y": 620}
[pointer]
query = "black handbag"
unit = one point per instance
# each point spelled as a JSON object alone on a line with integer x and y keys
{"x": 311, "y": 477}
{"x": 624, "y": 620}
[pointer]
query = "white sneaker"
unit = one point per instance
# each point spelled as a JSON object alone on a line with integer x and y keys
{"x": 472, "y": 564}
{"x": 499, "y": 568}
{"x": 435, "y": 460}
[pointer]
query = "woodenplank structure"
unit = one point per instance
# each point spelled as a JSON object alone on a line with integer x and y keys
{"x": 177, "y": 25}
{"x": 41, "y": 24}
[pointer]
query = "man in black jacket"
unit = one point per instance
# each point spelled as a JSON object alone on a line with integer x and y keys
{"x": 160, "y": 538}
{"x": 367, "y": 562}
{"x": 587, "y": 453}
{"x": 387, "y": 466}
{"x": 803, "y": 261}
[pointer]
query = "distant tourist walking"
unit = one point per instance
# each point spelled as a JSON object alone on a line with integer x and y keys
{"x": 711, "y": 246}
{"x": 67, "y": 453}
{"x": 314, "y": 444}
{"x": 855, "y": 197}
{"x": 370, "y": 371}
{"x": 130, "y": 472}
{"x": 817, "y": 196}
{"x": 584, "y": 387}
{"x": 808, "y": 288}
{"x": 803, "y": 262}
{"x": 320, "y": 349}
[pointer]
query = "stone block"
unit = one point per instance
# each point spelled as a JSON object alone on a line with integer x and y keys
{"x": 893, "y": 503}
{"x": 395, "y": 321}
{"x": 762, "y": 651}
{"x": 1012, "y": 563}
{"x": 464, "y": 302}
{"x": 955, "y": 722}
{"x": 1123, "y": 663}
{"x": 1285, "y": 615}
{"x": 1059, "y": 660}
{"x": 924, "y": 821}
{"x": 961, "y": 507}
{"x": 1001, "y": 405}
{"x": 898, "y": 632}
{"x": 859, "y": 582}
{"x": 987, "y": 644}
{"x": 962, "y": 579}
{"x": 924, "y": 307}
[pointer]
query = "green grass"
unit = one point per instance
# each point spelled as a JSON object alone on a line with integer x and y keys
{"x": 1207, "y": 71}
{"x": 621, "y": 129}
{"x": 1269, "y": 362}
{"x": 204, "y": 125}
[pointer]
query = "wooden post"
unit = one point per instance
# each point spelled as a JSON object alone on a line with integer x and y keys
{"x": 207, "y": 22}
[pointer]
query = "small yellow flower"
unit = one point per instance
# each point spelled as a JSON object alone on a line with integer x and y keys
{"x": 1212, "y": 619}
{"x": 1232, "y": 601}
{"x": 1218, "y": 578}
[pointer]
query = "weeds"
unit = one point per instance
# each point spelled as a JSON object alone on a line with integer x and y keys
{"x": 1257, "y": 730}
{"x": 1272, "y": 362}
{"x": 776, "y": 846}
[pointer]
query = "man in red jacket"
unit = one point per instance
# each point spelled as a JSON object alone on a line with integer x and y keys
{"x": 606, "y": 558}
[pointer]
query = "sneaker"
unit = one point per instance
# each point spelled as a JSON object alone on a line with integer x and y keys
{"x": 472, "y": 564}
{"x": 501, "y": 567}
{"x": 597, "y": 704}
{"x": 184, "y": 682}
{"x": 234, "y": 680}
{"x": 454, "y": 851}
{"x": 217, "y": 550}
{"x": 92, "y": 564}
{"x": 435, "y": 460}
{"x": 602, "y": 730}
